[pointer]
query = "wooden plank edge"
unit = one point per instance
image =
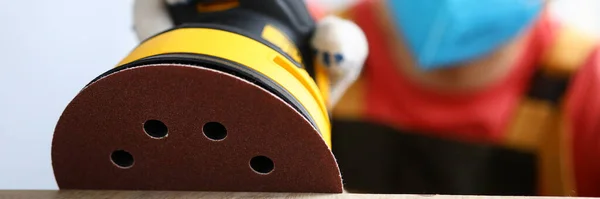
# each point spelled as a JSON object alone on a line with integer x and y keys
{"x": 51, "y": 194}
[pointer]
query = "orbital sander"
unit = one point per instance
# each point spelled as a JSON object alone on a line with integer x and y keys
{"x": 229, "y": 99}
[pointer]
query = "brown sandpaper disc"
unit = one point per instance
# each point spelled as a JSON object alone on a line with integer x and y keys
{"x": 112, "y": 136}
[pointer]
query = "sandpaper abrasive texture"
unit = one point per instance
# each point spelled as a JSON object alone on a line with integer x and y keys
{"x": 144, "y": 129}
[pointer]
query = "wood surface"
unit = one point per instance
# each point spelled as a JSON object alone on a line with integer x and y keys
{"x": 18, "y": 194}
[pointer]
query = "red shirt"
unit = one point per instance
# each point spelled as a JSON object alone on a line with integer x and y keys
{"x": 482, "y": 116}
{"x": 584, "y": 114}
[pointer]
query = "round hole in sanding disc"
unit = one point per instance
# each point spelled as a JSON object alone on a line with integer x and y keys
{"x": 214, "y": 131}
{"x": 156, "y": 129}
{"x": 122, "y": 159}
{"x": 262, "y": 164}
{"x": 106, "y": 116}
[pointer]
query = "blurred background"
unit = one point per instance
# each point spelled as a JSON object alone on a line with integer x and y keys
{"x": 50, "y": 49}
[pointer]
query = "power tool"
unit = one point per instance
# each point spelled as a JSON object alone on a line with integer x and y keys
{"x": 229, "y": 99}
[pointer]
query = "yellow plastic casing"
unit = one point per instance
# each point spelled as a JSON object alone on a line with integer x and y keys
{"x": 247, "y": 52}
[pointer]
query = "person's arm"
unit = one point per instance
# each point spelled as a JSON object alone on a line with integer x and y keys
{"x": 583, "y": 106}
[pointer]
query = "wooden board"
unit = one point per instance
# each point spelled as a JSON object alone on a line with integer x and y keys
{"x": 169, "y": 195}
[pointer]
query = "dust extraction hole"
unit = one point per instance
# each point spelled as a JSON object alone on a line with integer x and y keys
{"x": 262, "y": 164}
{"x": 156, "y": 129}
{"x": 122, "y": 158}
{"x": 214, "y": 131}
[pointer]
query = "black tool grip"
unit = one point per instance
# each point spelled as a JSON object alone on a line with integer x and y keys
{"x": 289, "y": 16}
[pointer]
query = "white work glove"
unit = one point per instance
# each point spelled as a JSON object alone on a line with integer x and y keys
{"x": 342, "y": 48}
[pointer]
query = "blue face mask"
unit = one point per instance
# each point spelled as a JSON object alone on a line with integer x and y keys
{"x": 441, "y": 33}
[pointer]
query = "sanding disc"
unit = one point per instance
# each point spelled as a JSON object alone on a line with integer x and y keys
{"x": 188, "y": 128}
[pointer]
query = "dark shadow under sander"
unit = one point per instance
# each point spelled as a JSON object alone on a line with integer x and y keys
{"x": 189, "y": 128}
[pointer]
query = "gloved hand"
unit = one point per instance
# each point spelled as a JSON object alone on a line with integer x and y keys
{"x": 342, "y": 48}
